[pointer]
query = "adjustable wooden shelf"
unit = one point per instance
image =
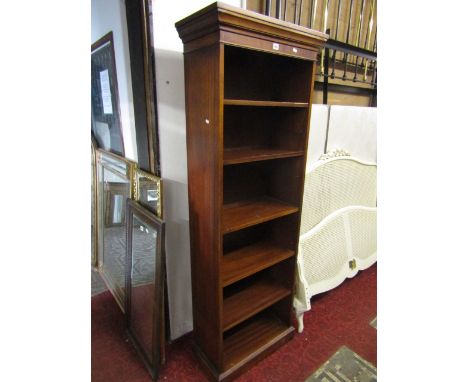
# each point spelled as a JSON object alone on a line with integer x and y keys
{"x": 248, "y": 92}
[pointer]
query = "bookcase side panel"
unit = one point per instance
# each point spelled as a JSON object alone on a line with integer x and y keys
{"x": 202, "y": 75}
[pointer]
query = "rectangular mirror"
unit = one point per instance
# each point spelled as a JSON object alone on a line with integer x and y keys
{"x": 94, "y": 250}
{"x": 144, "y": 283}
{"x": 114, "y": 184}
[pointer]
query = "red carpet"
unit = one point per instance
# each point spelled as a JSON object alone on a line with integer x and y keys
{"x": 339, "y": 317}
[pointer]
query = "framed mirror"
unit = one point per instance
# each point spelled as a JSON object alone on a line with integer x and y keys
{"x": 144, "y": 283}
{"x": 148, "y": 191}
{"x": 94, "y": 214}
{"x": 114, "y": 187}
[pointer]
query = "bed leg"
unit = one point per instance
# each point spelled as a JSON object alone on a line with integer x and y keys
{"x": 300, "y": 321}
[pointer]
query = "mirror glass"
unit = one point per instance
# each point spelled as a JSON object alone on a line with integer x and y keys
{"x": 114, "y": 189}
{"x": 143, "y": 270}
{"x": 93, "y": 205}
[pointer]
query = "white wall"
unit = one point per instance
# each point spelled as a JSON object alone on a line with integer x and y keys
{"x": 350, "y": 128}
{"x": 354, "y": 129}
{"x": 317, "y": 134}
{"x": 171, "y": 120}
{"x": 106, "y": 16}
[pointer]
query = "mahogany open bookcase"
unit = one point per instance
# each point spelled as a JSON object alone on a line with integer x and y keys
{"x": 248, "y": 92}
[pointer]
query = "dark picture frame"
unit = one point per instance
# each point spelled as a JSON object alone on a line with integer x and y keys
{"x": 142, "y": 64}
{"x": 94, "y": 208}
{"x": 106, "y": 124}
{"x": 149, "y": 347}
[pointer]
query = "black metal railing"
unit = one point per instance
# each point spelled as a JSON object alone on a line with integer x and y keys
{"x": 348, "y": 62}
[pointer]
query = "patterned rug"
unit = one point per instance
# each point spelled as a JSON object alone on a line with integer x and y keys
{"x": 97, "y": 283}
{"x": 114, "y": 259}
{"x": 345, "y": 366}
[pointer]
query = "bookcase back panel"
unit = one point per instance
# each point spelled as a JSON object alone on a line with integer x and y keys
{"x": 265, "y": 127}
{"x": 255, "y": 75}
{"x": 279, "y": 179}
{"x": 280, "y": 232}
{"x": 273, "y": 274}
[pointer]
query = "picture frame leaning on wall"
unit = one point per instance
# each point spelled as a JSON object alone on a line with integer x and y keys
{"x": 106, "y": 124}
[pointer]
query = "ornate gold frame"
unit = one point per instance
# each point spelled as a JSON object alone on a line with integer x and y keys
{"x": 137, "y": 175}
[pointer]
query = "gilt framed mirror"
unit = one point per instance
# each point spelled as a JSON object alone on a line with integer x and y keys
{"x": 144, "y": 274}
{"x": 148, "y": 191}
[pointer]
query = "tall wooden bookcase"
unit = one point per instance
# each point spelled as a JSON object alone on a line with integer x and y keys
{"x": 248, "y": 92}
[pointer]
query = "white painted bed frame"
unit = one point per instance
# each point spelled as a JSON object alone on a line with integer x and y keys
{"x": 338, "y": 226}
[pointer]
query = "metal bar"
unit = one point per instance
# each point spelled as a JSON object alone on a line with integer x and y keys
{"x": 371, "y": 24}
{"x": 295, "y": 11}
{"x": 313, "y": 9}
{"x": 373, "y": 76}
{"x": 324, "y": 28}
{"x": 325, "y": 80}
{"x": 374, "y": 49}
{"x": 345, "y": 59}
{"x": 350, "y": 49}
{"x": 349, "y": 21}
{"x": 284, "y": 9}
{"x": 268, "y": 7}
{"x": 333, "y": 64}
{"x": 337, "y": 19}
{"x": 357, "y": 81}
{"x": 336, "y": 37}
{"x": 373, "y": 100}
{"x": 278, "y": 9}
{"x": 367, "y": 36}
{"x": 348, "y": 89}
{"x": 374, "y": 63}
{"x": 358, "y": 37}
{"x": 300, "y": 12}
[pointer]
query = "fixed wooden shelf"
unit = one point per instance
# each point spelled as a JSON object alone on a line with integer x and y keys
{"x": 250, "y": 154}
{"x": 261, "y": 333}
{"x": 244, "y": 304}
{"x": 251, "y": 259}
{"x": 249, "y": 102}
{"x": 253, "y": 211}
